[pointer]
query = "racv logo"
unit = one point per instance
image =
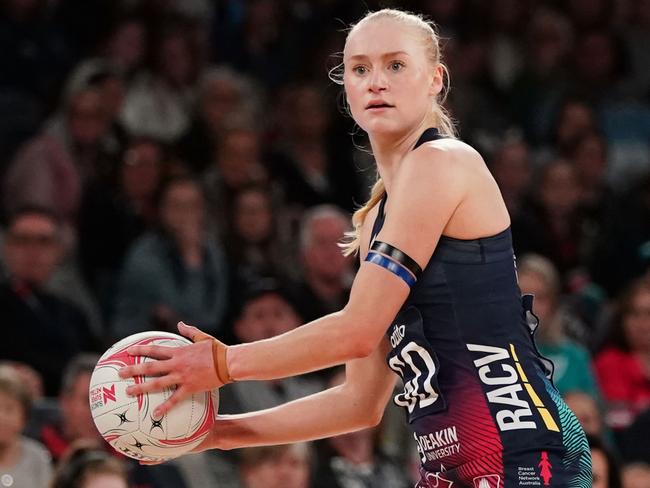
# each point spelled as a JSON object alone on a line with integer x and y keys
{"x": 505, "y": 391}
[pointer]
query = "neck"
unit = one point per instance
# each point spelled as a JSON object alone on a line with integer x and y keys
{"x": 389, "y": 150}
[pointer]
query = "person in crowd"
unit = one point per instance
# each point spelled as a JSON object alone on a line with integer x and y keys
{"x": 237, "y": 163}
{"x": 635, "y": 475}
{"x": 622, "y": 367}
{"x": 267, "y": 311}
{"x": 326, "y": 274}
{"x": 41, "y": 329}
{"x": 51, "y": 169}
{"x": 114, "y": 214}
{"x": 307, "y": 158}
{"x": 571, "y": 360}
{"x": 88, "y": 466}
{"x": 177, "y": 271}
{"x": 286, "y": 466}
{"x": 159, "y": 101}
{"x": 256, "y": 243}
{"x": 125, "y": 45}
{"x": 23, "y": 461}
{"x": 226, "y": 99}
{"x": 588, "y": 412}
{"x": 73, "y": 421}
{"x": 606, "y": 470}
{"x": 355, "y": 459}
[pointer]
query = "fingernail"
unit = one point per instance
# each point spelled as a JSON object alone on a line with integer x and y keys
{"x": 157, "y": 413}
{"x": 182, "y": 324}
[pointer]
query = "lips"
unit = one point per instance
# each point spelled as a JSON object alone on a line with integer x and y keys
{"x": 376, "y": 104}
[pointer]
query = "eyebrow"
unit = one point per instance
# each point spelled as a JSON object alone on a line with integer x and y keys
{"x": 385, "y": 55}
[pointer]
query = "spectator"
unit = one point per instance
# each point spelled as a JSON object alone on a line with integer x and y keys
{"x": 309, "y": 160}
{"x": 266, "y": 312}
{"x": 114, "y": 214}
{"x": 606, "y": 472}
{"x": 159, "y": 101}
{"x": 236, "y": 164}
{"x": 41, "y": 329}
{"x": 90, "y": 467}
{"x": 255, "y": 244}
{"x": 74, "y": 421}
{"x": 226, "y": 99}
{"x": 636, "y": 475}
{"x": 286, "y": 466}
{"x": 634, "y": 443}
{"x": 558, "y": 216}
{"x": 75, "y": 147}
{"x": 622, "y": 366}
{"x": 585, "y": 407}
{"x": 542, "y": 84}
{"x": 572, "y": 362}
{"x": 126, "y": 44}
{"x": 177, "y": 271}
{"x": 619, "y": 256}
{"x": 354, "y": 459}
{"x": 326, "y": 273}
{"x": 23, "y": 461}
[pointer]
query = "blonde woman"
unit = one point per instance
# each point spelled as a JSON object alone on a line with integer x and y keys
{"x": 435, "y": 297}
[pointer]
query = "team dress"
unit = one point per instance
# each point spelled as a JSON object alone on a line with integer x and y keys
{"x": 478, "y": 395}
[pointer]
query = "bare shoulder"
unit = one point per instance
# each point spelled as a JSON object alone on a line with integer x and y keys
{"x": 448, "y": 152}
{"x": 450, "y": 176}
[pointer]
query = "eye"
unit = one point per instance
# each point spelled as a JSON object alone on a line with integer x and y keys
{"x": 396, "y": 65}
{"x": 360, "y": 69}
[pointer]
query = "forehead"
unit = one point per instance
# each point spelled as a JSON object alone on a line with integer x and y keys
{"x": 377, "y": 37}
{"x": 33, "y": 222}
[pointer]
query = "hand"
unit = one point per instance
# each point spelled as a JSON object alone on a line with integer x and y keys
{"x": 210, "y": 442}
{"x": 189, "y": 368}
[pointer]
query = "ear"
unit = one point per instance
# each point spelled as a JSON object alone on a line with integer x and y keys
{"x": 436, "y": 80}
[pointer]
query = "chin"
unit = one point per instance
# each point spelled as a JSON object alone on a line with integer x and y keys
{"x": 379, "y": 126}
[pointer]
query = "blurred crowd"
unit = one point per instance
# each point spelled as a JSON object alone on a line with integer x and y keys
{"x": 190, "y": 159}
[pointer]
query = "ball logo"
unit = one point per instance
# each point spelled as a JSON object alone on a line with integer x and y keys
{"x": 108, "y": 394}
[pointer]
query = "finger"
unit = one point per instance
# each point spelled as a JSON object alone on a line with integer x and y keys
{"x": 192, "y": 333}
{"x": 152, "y": 384}
{"x": 150, "y": 463}
{"x": 149, "y": 368}
{"x": 177, "y": 396}
{"x": 155, "y": 352}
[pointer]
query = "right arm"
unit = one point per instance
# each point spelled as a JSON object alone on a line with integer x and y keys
{"x": 356, "y": 404}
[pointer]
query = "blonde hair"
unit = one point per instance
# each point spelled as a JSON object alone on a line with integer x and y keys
{"x": 427, "y": 32}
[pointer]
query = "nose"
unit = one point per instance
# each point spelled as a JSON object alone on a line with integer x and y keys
{"x": 378, "y": 82}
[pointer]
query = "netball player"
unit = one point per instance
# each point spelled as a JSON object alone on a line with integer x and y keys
{"x": 435, "y": 300}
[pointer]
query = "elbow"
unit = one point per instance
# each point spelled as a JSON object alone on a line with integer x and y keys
{"x": 374, "y": 418}
{"x": 362, "y": 336}
{"x": 361, "y": 347}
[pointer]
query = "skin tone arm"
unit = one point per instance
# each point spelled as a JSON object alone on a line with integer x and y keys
{"x": 356, "y": 404}
{"x": 432, "y": 177}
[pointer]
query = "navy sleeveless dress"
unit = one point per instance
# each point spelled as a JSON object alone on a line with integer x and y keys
{"x": 477, "y": 394}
